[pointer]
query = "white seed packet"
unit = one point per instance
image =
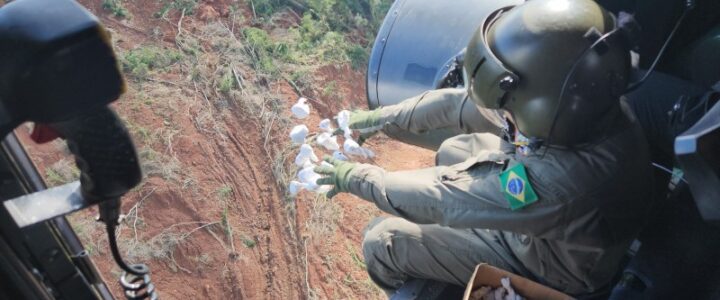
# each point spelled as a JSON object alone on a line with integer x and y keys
{"x": 505, "y": 281}
{"x": 326, "y": 126}
{"x": 301, "y": 110}
{"x": 347, "y": 133}
{"x": 351, "y": 147}
{"x": 298, "y": 134}
{"x": 343, "y": 119}
{"x": 323, "y": 189}
{"x": 305, "y": 155}
{"x": 340, "y": 156}
{"x": 295, "y": 187}
{"x": 328, "y": 141}
{"x": 309, "y": 178}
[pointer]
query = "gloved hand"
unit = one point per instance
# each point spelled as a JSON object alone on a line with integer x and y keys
{"x": 367, "y": 123}
{"x": 337, "y": 175}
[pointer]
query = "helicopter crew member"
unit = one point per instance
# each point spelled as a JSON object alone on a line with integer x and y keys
{"x": 559, "y": 198}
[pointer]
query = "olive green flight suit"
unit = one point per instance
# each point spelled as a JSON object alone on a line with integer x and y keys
{"x": 444, "y": 113}
{"x": 593, "y": 200}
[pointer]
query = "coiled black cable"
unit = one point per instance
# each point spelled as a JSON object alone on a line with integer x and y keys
{"x": 135, "y": 279}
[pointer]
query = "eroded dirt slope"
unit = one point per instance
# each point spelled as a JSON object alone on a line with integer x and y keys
{"x": 212, "y": 218}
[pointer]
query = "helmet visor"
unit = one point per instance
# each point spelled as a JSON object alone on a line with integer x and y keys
{"x": 490, "y": 80}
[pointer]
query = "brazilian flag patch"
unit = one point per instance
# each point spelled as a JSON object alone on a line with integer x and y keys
{"x": 516, "y": 187}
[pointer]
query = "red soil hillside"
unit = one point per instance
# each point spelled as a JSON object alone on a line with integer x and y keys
{"x": 212, "y": 218}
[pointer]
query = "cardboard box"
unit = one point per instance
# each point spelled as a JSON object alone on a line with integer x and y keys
{"x": 487, "y": 275}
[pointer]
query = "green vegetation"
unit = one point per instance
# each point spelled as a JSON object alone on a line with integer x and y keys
{"x": 330, "y": 89}
{"x": 302, "y": 78}
{"x": 224, "y": 192}
{"x": 154, "y": 163}
{"x": 225, "y": 222}
{"x": 139, "y": 133}
{"x": 248, "y": 242}
{"x": 116, "y": 8}
{"x": 61, "y": 172}
{"x": 330, "y": 32}
{"x": 338, "y": 15}
{"x": 265, "y": 8}
{"x": 261, "y": 50}
{"x": 89, "y": 231}
{"x": 356, "y": 259}
{"x": 228, "y": 229}
{"x": 53, "y": 178}
{"x": 140, "y": 61}
{"x": 358, "y": 56}
{"x": 186, "y": 7}
{"x": 227, "y": 82}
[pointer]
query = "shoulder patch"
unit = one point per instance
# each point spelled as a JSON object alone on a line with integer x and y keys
{"x": 516, "y": 187}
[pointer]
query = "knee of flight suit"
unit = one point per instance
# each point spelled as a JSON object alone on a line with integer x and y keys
{"x": 462, "y": 147}
{"x": 376, "y": 237}
{"x": 451, "y": 152}
{"x": 376, "y": 246}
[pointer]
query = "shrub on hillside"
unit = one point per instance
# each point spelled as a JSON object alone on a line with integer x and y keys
{"x": 265, "y": 8}
{"x": 140, "y": 61}
{"x": 329, "y": 32}
{"x": 358, "y": 56}
{"x": 260, "y": 47}
{"x": 333, "y": 47}
{"x": 182, "y": 6}
{"x": 226, "y": 83}
{"x": 116, "y": 8}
